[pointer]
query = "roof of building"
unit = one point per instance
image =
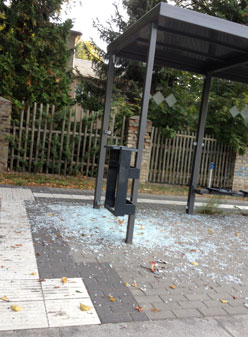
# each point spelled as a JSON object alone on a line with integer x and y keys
{"x": 85, "y": 68}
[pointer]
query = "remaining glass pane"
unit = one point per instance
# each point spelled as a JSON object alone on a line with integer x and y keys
{"x": 158, "y": 98}
{"x": 244, "y": 113}
{"x": 234, "y": 111}
{"x": 171, "y": 100}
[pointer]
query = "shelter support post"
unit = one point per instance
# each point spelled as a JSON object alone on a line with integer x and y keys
{"x": 199, "y": 144}
{"x": 104, "y": 134}
{"x": 142, "y": 125}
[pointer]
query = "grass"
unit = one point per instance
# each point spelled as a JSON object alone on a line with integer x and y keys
{"x": 80, "y": 182}
{"x": 84, "y": 183}
{"x": 212, "y": 207}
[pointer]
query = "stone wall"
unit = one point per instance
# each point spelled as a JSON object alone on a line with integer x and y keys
{"x": 5, "y": 115}
{"x": 132, "y": 137}
{"x": 240, "y": 178}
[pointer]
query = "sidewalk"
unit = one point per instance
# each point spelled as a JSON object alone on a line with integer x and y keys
{"x": 47, "y": 234}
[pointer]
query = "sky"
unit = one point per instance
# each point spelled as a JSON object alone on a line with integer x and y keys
{"x": 84, "y": 15}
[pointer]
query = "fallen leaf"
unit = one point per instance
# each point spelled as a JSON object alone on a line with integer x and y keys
{"x": 37, "y": 254}
{"x": 210, "y": 231}
{"x": 56, "y": 287}
{"x": 58, "y": 235}
{"x": 112, "y": 299}
{"x": 127, "y": 284}
{"x": 235, "y": 297}
{"x": 237, "y": 234}
{"x": 49, "y": 214}
{"x": 140, "y": 309}
{"x": 64, "y": 279}
{"x": 42, "y": 280}
{"x": 16, "y": 307}
{"x": 193, "y": 250}
{"x": 5, "y": 298}
{"x": 84, "y": 307}
{"x": 77, "y": 291}
{"x": 18, "y": 245}
{"x": 223, "y": 301}
{"x": 172, "y": 286}
{"x": 33, "y": 273}
{"x": 195, "y": 263}
{"x": 120, "y": 221}
{"x": 155, "y": 310}
{"x": 134, "y": 284}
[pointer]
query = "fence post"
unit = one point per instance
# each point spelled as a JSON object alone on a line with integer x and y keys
{"x": 5, "y": 114}
{"x": 132, "y": 135}
{"x": 240, "y": 177}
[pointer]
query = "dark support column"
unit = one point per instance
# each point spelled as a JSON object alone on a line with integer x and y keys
{"x": 142, "y": 125}
{"x": 104, "y": 135}
{"x": 198, "y": 146}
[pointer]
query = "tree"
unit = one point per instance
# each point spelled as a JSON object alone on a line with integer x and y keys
{"x": 85, "y": 50}
{"x": 186, "y": 87}
{"x": 34, "y": 55}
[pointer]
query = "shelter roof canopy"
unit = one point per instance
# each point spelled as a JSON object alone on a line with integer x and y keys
{"x": 190, "y": 41}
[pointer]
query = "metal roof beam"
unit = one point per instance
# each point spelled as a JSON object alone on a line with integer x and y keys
{"x": 183, "y": 49}
{"x": 229, "y": 64}
{"x": 201, "y": 38}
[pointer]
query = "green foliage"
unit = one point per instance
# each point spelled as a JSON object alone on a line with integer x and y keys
{"x": 186, "y": 87}
{"x": 34, "y": 55}
{"x": 211, "y": 207}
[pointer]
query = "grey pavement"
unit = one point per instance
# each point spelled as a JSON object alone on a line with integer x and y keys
{"x": 236, "y": 326}
{"x": 193, "y": 307}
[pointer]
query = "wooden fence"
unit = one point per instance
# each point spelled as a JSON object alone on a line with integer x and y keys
{"x": 49, "y": 141}
{"x": 171, "y": 160}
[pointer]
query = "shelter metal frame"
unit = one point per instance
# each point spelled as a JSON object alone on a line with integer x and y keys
{"x": 181, "y": 39}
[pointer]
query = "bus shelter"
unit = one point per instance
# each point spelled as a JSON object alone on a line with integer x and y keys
{"x": 182, "y": 39}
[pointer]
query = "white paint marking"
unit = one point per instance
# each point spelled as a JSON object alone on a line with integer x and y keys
{"x": 19, "y": 276}
{"x": 67, "y": 312}
{"x": 54, "y": 289}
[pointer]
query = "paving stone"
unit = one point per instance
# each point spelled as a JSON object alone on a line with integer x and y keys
{"x": 213, "y": 304}
{"x": 115, "y": 318}
{"x": 192, "y": 304}
{"x": 173, "y": 298}
{"x": 185, "y": 313}
{"x": 220, "y": 296}
{"x": 236, "y": 310}
{"x": 211, "y": 312}
{"x": 167, "y": 306}
{"x": 139, "y": 316}
{"x": 163, "y": 314}
{"x": 197, "y": 297}
{"x": 148, "y": 299}
{"x": 119, "y": 308}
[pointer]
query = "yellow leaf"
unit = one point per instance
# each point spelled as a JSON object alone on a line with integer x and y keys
{"x": 16, "y": 307}
{"x": 4, "y": 298}
{"x": 112, "y": 299}
{"x": 237, "y": 234}
{"x": 33, "y": 273}
{"x": 223, "y": 301}
{"x": 84, "y": 307}
{"x": 210, "y": 231}
{"x": 172, "y": 286}
{"x": 195, "y": 263}
{"x": 64, "y": 279}
{"x": 127, "y": 284}
{"x": 134, "y": 284}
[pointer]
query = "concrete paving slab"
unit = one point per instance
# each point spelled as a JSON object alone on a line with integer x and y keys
{"x": 237, "y": 326}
